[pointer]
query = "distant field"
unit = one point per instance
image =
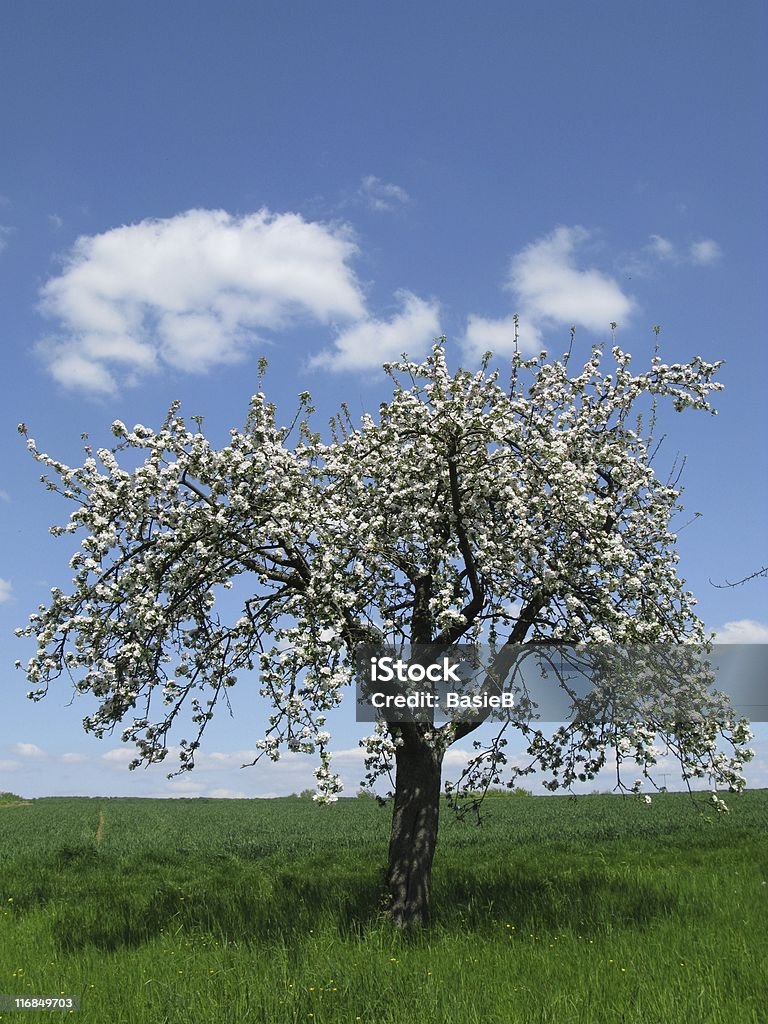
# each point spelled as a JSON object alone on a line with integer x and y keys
{"x": 600, "y": 910}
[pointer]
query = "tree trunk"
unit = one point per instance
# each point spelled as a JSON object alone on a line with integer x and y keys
{"x": 414, "y": 829}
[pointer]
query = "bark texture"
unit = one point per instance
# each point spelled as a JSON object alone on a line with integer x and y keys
{"x": 414, "y": 830}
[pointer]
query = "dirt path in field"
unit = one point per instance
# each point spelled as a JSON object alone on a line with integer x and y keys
{"x": 18, "y": 803}
{"x": 100, "y": 828}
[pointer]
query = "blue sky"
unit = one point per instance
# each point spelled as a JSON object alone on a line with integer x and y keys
{"x": 328, "y": 185}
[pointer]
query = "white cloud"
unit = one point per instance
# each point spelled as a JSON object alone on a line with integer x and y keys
{"x": 30, "y": 750}
{"x": 74, "y": 758}
{"x": 743, "y": 631}
{"x": 498, "y": 336}
{"x": 221, "y": 761}
{"x": 5, "y": 233}
{"x": 191, "y": 291}
{"x": 6, "y": 590}
{"x": 231, "y": 758}
{"x": 456, "y": 758}
{"x": 705, "y": 252}
{"x": 228, "y": 794}
{"x": 551, "y": 290}
{"x": 119, "y": 755}
{"x": 80, "y": 372}
{"x": 349, "y": 756}
{"x": 9, "y": 766}
{"x": 662, "y": 248}
{"x": 55, "y": 221}
{"x": 4, "y": 496}
{"x": 380, "y": 195}
{"x": 369, "y": 343}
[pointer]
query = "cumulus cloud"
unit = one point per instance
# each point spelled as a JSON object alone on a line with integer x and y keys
{"x": 74, "y": 758}
{"x": 381, "y": 195}
{"x": 5, "y": 590}
{"x": 498, "y": 336}
{"x": 191, "y": 291}
{"x": 30, "y": 750}
{"x": 705, "y": 252}
{"x": 743, "y": 631}
{"x": 370, "y": 342}
{"x": 551, "y": 290}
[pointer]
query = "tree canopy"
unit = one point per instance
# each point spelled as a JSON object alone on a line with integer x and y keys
{"x": 466, "y": 510}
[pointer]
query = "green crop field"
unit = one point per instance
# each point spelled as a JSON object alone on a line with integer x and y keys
{"x": 599, "y": 910}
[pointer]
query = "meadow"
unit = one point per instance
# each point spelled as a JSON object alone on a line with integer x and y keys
{"x": 595, "y": 910}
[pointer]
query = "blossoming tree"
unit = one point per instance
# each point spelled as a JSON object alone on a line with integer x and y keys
{"x": 465, "y": 511}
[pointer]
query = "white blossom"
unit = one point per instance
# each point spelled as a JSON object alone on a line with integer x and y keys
{"x": 527, "y": 509}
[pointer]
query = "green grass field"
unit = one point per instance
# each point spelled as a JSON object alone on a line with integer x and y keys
{"x": 599, "y": 910}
